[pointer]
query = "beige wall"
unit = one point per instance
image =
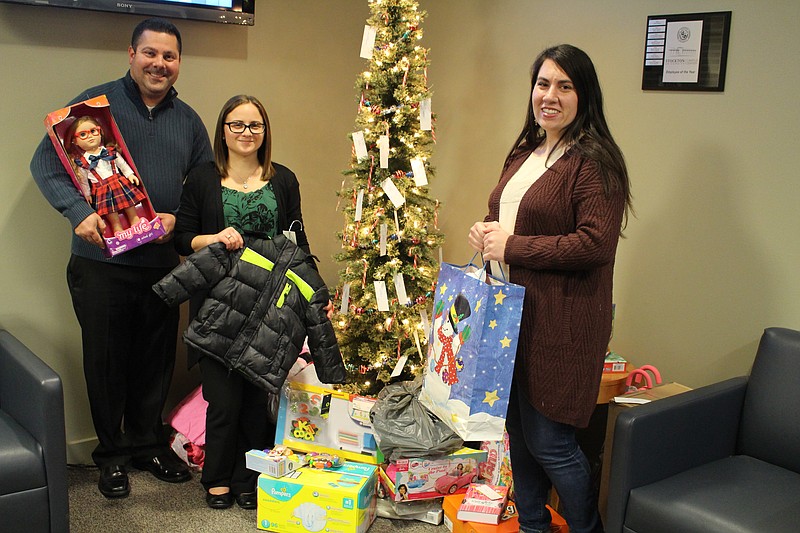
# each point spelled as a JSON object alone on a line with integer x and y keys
{"x": 710, "y": 260}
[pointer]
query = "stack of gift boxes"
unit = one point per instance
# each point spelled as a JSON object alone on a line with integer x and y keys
{"x": 322, "y": 474}
{"x": 326, "y": 472}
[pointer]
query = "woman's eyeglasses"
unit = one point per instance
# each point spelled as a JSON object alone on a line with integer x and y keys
{"x": 85, "y": 134}
{"x": 255, "y": 128}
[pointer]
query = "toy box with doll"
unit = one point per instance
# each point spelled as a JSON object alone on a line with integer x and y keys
{"x": 336, "y": 500}
{"x": 313, "y": 417}
{"x": 421, "y": 478}
{"x": 92, "y": 150}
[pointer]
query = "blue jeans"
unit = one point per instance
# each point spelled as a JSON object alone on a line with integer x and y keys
{"x": 544, "y": 454}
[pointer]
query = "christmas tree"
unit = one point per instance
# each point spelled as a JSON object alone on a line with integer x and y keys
{"x": 390, "y": 240}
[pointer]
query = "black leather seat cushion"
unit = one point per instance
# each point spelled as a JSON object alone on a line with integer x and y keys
{"x": 21, "y": 461}
{"x": 719, "y": 497}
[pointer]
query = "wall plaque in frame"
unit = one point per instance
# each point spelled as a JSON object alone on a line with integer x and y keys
{"x": 686, "y": 52}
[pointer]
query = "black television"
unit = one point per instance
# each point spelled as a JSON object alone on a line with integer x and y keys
{"x": 240, "y": 12}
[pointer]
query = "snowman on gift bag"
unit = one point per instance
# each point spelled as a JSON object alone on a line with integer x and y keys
{"x": 448, "y": 340}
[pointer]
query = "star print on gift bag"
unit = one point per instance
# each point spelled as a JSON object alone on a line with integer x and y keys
{"x": 471, "y": 351}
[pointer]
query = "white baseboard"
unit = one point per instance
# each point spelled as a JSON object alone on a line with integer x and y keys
{"x": 79, "y": 452}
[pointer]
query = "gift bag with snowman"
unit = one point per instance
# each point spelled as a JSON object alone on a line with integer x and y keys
{"x": 471, "y": 351}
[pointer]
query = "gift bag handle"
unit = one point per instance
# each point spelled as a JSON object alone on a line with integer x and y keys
{"x": 481, "y": 270}
{"x": 484, "y": 264}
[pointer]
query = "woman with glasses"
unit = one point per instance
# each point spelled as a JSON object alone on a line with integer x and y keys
{"x": 242, "y": 192}
{"x": 106, "y": 179}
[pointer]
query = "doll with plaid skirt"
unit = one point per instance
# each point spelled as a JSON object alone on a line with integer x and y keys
{"x": 107, "y": 180}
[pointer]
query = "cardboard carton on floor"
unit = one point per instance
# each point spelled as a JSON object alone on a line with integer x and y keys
{"x": 340, "y": 500}
{"x": 510, "y": 524}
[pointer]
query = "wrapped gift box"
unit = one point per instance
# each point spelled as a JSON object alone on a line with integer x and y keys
{"x": 149, "y": 226}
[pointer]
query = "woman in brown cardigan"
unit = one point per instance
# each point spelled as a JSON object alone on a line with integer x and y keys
{"x": 554, "y": 221}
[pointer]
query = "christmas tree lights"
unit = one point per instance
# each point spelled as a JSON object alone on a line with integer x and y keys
{"x": 390, "y": 240}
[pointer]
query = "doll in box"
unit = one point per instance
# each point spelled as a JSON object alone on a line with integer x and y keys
{"x": 107, "y": 180}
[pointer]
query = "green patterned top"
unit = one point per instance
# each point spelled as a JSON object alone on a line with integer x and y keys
{"x": 255, "y": 211}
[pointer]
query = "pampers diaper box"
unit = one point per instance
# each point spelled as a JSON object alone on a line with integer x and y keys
{"x": 332, "y": 500}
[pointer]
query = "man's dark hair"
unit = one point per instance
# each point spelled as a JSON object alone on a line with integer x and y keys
{"x": 157, "y": 25}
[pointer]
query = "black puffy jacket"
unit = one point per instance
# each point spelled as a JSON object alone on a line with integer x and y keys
{"x": 263, "y": 300}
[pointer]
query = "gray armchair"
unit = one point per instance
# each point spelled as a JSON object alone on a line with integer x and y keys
{"x": 33, "y": 457}
{"x": 724, "y": 458}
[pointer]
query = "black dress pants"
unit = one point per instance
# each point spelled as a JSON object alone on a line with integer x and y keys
{"x": 129, "y": 336}
{"x": 236, "y": 422}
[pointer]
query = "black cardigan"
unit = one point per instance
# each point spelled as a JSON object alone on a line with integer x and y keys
{"x": 200, "y": 212}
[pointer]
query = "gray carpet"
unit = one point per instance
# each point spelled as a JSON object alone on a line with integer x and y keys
{"x": 155, "y": 506}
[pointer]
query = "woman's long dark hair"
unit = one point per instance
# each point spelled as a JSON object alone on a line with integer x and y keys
{"x": 588, "y": 134}
{"x": 221, "y": 147}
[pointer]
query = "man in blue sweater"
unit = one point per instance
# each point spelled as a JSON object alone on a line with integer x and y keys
{"x": 129, "y": 334}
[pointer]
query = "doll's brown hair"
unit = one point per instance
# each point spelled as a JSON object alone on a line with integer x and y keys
{"x": 221, "y": 148}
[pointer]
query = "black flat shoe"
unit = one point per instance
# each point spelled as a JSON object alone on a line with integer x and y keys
{"x": 114, "y": 482}
{"x": 219, "y": 501}
{"x": 247, "y": 500}
{"x": 164, "y": 468}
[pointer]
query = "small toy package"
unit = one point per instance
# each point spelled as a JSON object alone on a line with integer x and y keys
{"x": 614, "y": 362}
{"x": 337, "y": 500}
{"x": 276, "y": 462}
{"x": 315, "y": 418}
{"x": 483, "y": 503}
{"x": 90, "y": 146}
{"x": 497, "y": 468}
{"x": 420, "y": 478}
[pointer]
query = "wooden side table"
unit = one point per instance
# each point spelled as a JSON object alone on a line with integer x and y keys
{"x": 612, "y": 384}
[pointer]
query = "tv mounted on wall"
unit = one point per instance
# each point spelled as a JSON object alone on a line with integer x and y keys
{"x": 224, "y": 11}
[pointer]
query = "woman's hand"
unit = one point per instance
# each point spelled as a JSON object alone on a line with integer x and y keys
{"x": 489, "y": 239}
{"x": 494, "y": 242}
{"x": 475, "y": 237}
{"x": 231, "y": 238}
{"x": 329, "y": 309}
